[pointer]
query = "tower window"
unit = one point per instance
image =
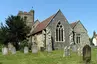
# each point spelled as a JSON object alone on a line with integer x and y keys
{"x": 25, "y": 17}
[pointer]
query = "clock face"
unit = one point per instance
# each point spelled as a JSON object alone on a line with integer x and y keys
{"x": 94, "y": 41}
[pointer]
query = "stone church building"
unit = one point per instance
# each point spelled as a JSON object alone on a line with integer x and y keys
{"x": 55, "y": 31}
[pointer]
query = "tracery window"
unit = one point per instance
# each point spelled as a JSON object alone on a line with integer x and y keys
{"x": 59, "y": 32}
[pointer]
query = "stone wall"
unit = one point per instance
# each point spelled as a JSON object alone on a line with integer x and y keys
{"x": 52, "y": 25}
{"x": 39, "y": 40}
{"x": 84, "y": 38}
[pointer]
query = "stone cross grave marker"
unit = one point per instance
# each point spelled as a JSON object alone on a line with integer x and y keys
{"x": 13, "y": 50}
{"x": 87, "y": 54}
{"x": 25, "y": 50}
{"x": 5, "y": 51}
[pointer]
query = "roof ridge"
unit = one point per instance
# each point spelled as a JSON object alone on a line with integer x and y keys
{"x": 55, "y": 15}
{"x": 48, "y": 18}
{"x": 73, "y": 24}
{"x": 42, "y": 25}
{"x": 75, "y": 21}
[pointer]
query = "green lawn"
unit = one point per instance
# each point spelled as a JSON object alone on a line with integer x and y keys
{"x": 45, "y": 58}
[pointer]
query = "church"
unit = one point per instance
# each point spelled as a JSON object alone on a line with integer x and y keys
{"x": 55, "y": 31}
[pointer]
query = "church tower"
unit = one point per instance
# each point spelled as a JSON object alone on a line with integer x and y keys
{"x": 29, "y": 16}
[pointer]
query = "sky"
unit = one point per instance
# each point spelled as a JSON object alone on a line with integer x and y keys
{"x": 73, "y": 10}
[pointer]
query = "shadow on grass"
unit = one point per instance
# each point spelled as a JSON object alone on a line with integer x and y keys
{"x": 91, "y": 62}
{"x": 1, "y": 63}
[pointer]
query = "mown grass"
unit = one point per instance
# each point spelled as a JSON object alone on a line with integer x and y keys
{"x": 55, "y": 57}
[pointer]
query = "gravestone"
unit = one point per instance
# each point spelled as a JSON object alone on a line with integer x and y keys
{"x": 13, "y": 50}
{"x": 10, "y": 46}
{"x": 87, "y": 53}
{"x": 74, "y": 48}
{"x": 66, "y": 51}
{"x": 5, "y": 51}
{"x": 49, "y": 48}
{"x": 25, "y": 50}
{"x": 34, "y": 49}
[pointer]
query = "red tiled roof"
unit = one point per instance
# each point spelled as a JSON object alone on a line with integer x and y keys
{"x": 43, "y": 24}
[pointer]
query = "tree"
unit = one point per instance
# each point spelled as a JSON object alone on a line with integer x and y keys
{"x": 16, "y": 29}
{"x": 4, "y": 35}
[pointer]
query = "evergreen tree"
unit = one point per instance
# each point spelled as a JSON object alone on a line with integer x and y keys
{"x": 4, "y": 35}
{"x": 16, "y": 30}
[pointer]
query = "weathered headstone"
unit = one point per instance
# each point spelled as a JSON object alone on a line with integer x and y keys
{"x": 5, "y": 51}
{"x": 34, "y": 49}
{"x": 13, "y": 50}
{"x": 10, "y": 46}
{"x": 66, "y": 51}
{"x": 87, "y": 53}
{"x": 25, "y": 50}
{"x": 49, "y": 48}
{"x": 74, "y": 48}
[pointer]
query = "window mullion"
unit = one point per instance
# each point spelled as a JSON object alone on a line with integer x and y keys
{"x": 62, "y": 34}
{"x": 58, "y": 34}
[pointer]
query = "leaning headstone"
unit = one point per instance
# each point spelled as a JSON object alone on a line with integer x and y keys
{"x": 13, "y": 50}
{"x": 5, "y": 51}
{"x": 34, "y": 49}
{"x": 87, "y": 54}
{"x": 25, "y": 50}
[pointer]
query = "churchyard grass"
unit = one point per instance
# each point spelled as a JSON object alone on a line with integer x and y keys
{"x": 55, "y": 57}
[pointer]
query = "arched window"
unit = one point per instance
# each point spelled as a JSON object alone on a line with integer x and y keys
{"x": 59, "y": 32}
{"x": 77, "y": 38}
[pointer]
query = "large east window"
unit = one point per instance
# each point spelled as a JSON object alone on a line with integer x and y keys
{"x": 59, "y": 32}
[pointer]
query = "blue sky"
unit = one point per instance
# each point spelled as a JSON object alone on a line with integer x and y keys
{"x": 83, "y": 10}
